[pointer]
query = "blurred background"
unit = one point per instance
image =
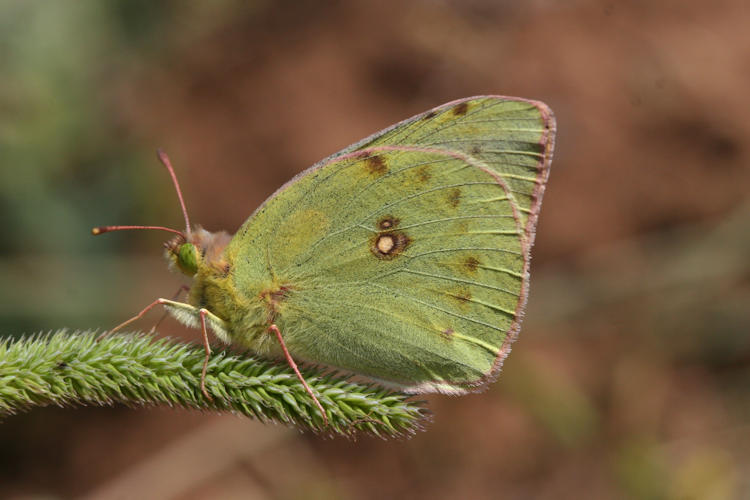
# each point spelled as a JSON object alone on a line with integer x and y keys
{"x": 631, "y": 375}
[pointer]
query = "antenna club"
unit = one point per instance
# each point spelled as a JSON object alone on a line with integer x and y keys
{"x": 96, "y": 230}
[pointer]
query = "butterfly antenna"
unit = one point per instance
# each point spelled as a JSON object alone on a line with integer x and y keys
{"x": 109, "y": 229}
{"x": 164, "y": 159}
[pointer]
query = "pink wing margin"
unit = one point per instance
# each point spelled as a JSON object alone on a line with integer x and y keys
{"x": 547, "y": 142}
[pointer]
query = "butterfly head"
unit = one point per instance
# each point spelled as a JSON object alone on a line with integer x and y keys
{"x": 190, "y": 250}
{"x": 189, "y": 253}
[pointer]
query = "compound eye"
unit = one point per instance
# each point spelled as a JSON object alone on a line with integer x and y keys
{"x": 187, "y": 259}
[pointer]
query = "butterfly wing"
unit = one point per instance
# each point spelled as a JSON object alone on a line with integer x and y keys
{"x": 405, "y": 257}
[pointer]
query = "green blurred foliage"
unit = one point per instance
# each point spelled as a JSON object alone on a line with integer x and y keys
{"x": 56, "y": 136}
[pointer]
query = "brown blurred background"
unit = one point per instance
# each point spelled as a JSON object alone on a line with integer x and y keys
{"x": 631, "y": 375}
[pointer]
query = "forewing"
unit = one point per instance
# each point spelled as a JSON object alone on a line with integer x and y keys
{"x": 512, "y": 136}
{"x": 405, "y": 258}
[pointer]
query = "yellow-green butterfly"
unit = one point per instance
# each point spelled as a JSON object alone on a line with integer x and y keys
{"x": 403, "y": 258}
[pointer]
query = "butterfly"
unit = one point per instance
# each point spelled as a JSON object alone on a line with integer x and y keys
{"x": 403, "y": 258}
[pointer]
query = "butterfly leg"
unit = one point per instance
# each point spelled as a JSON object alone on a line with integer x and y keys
{"x": 136, "y": 317}
{"x": 204, "y": 330}
{"x": 183, "y": 288}
{"x": 275, "y": 330}
{"x": 186, "y": 314}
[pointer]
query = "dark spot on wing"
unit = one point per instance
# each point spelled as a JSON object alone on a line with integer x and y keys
{"x": 431, "y": 114}
{"x": 454, "y": 197}
{"x": 448, "y": 333}
{"x": 471, "y": 264}
{"x": 461, "y": 108}
{"x": 423, "y": 173}
{"x": 389, "y": 245}
{"x": 387, "y": 222}
{"x": 376, "y": 165}
{"x": 475, "y": 150}
{"x": 462, "y": 296}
